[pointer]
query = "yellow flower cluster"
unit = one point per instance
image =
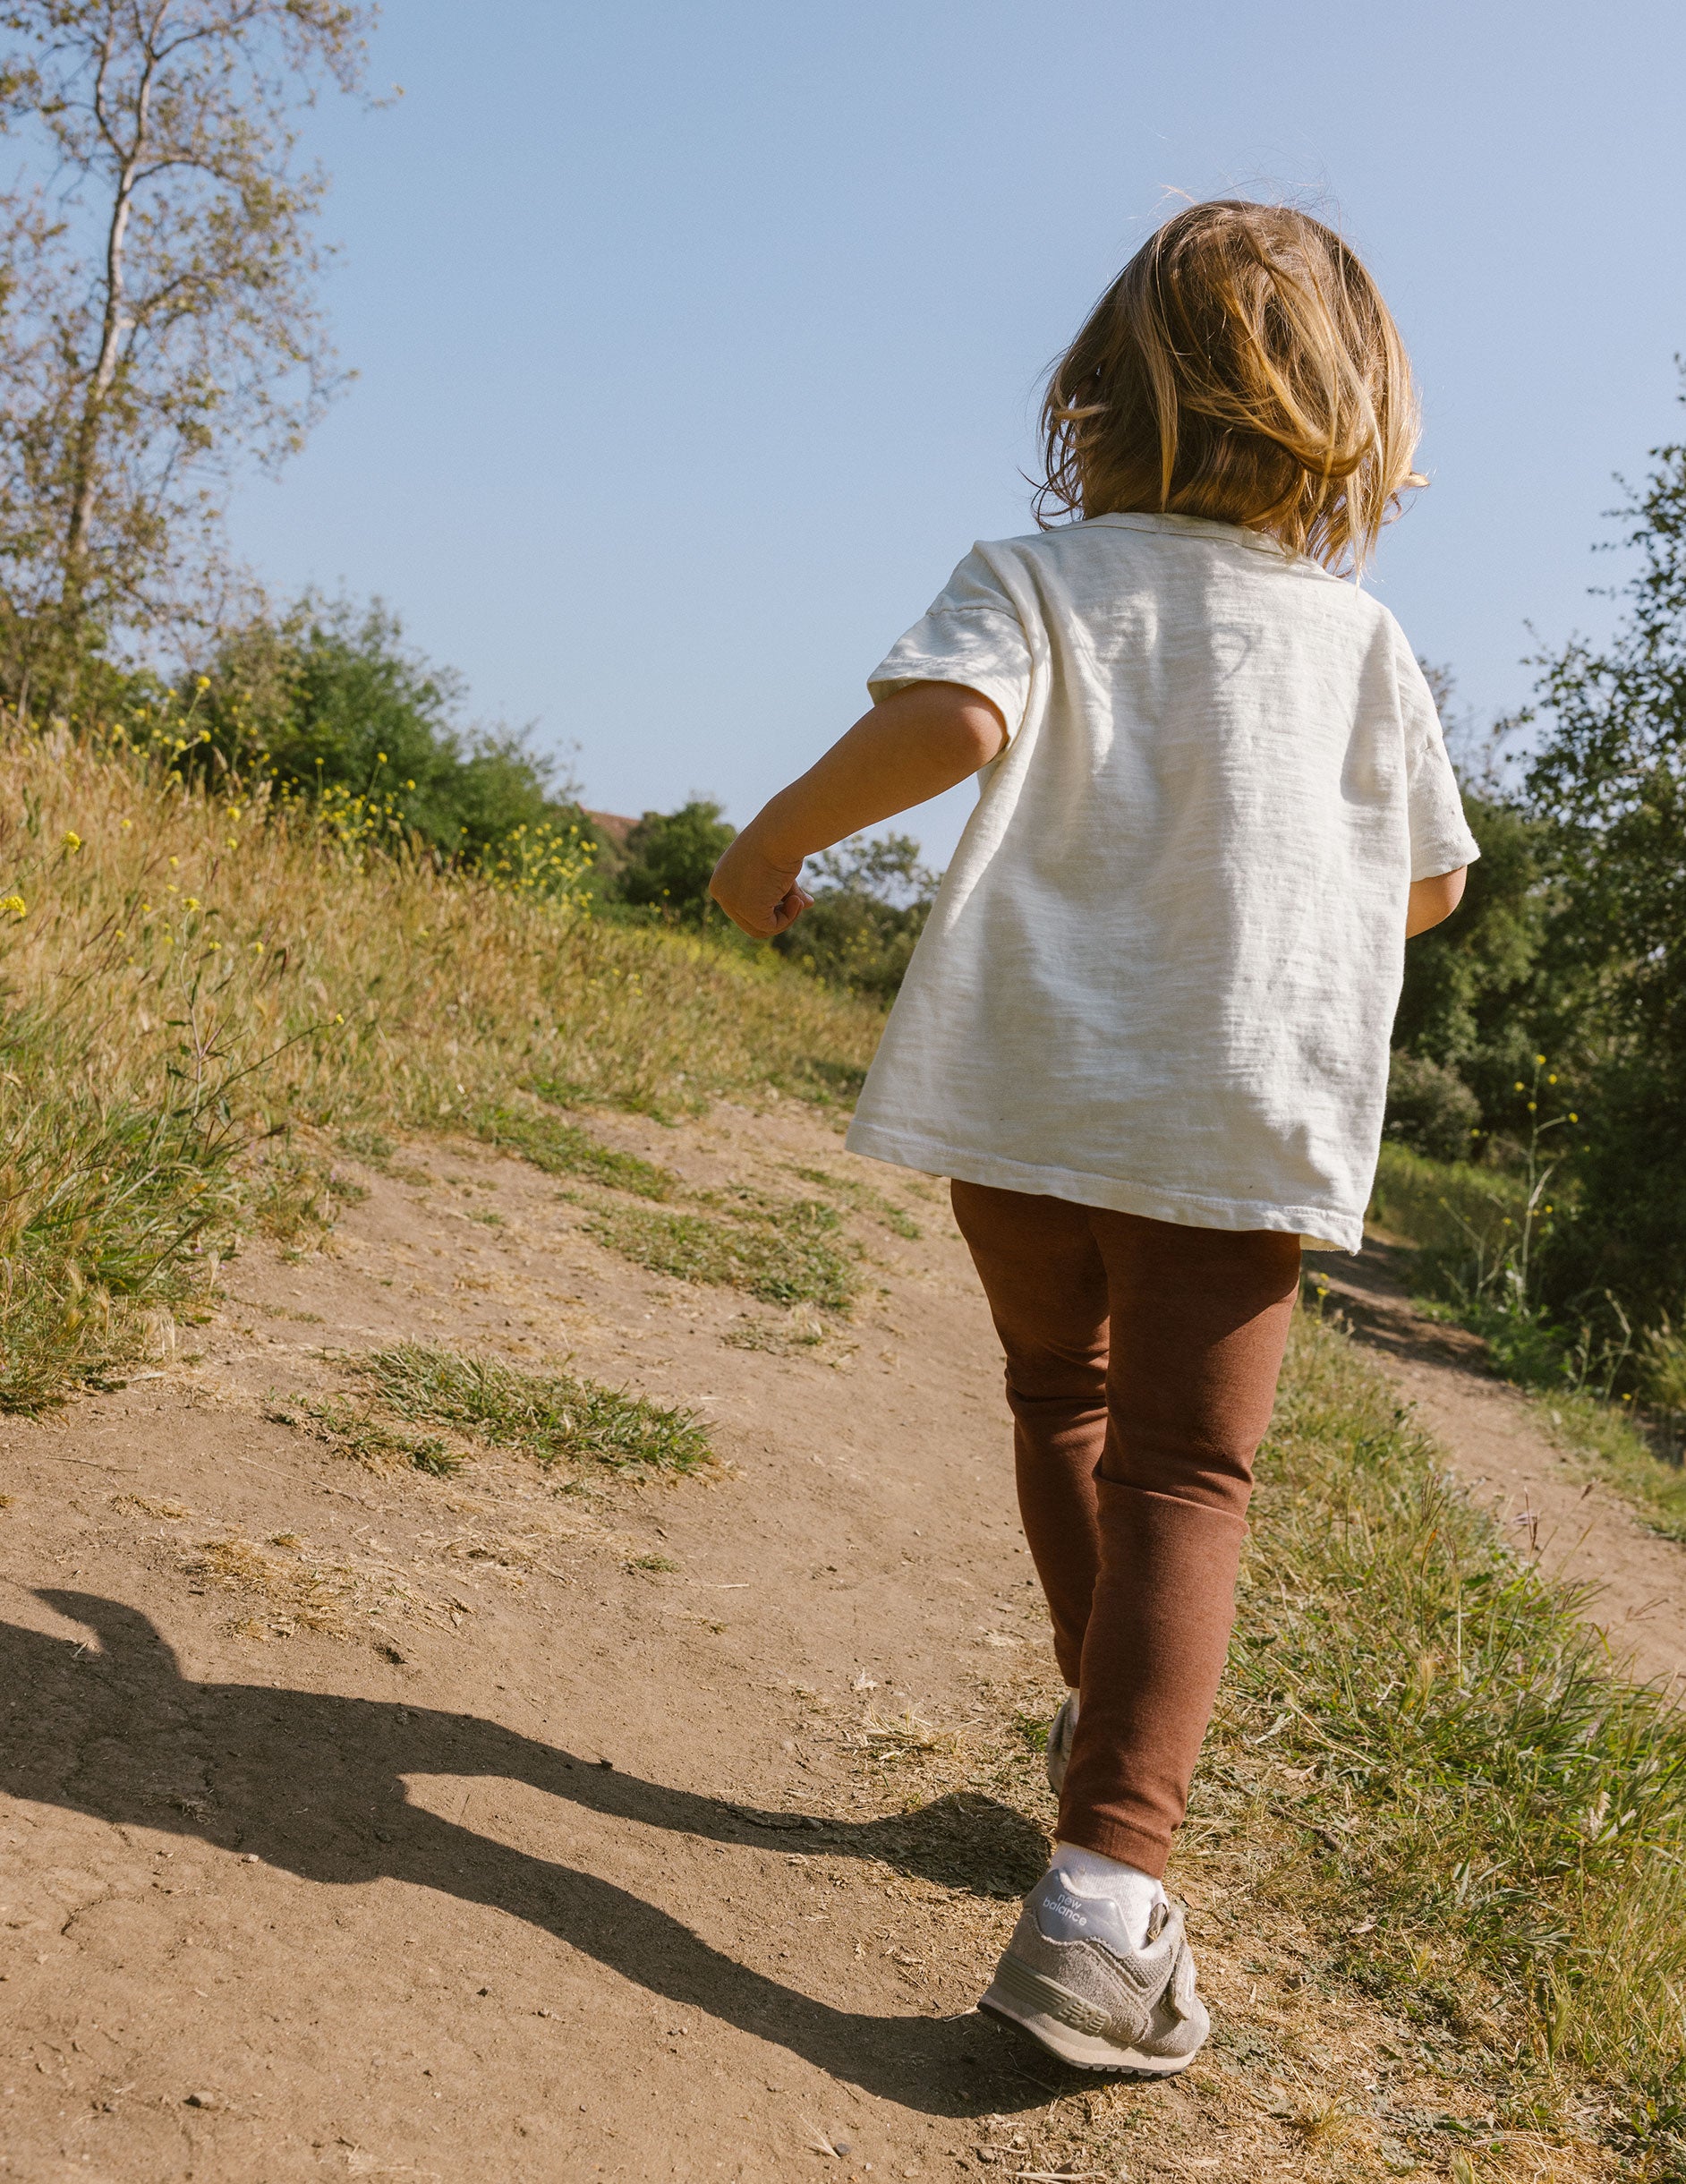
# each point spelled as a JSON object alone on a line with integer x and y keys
{"x": 547, "y": 861}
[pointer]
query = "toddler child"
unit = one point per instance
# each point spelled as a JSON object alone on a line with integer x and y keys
{"x": 1146, "y": 1031}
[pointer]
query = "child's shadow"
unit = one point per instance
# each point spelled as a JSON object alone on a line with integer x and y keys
{"x": 312, "y": 1783}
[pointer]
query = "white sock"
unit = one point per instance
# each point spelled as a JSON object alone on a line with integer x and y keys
{"x": 1085, "y": 1873}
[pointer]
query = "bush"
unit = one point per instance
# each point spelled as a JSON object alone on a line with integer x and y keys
{"x": 870, "y": 900}
{"x": 1477, "y": 998}
{"x": 328, "y": 705}
{"x": 1625, "y": 1236}
{"x": 1429, "y": 1108}
{"x": 670, "y": 860}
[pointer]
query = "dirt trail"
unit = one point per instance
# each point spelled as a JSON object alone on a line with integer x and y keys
{"x": 467, "y": 1827}
{"x": 1581, "y": 1532}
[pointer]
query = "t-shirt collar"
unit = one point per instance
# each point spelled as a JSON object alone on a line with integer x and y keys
{"x": 1198, "y": 526}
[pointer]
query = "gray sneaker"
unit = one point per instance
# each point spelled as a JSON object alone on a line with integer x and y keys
{"x": 1060, "y": 1731}
{"x": 1071, "y": 1980}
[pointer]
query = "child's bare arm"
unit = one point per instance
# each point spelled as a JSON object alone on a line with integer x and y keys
{"x": 913, "y": 746}
{"x": 1432, "y": 901}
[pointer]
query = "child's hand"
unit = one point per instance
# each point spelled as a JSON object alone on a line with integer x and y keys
{"x": 759, "y": 893}
{"x": 912, "y": 746}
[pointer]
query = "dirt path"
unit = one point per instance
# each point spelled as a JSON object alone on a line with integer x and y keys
{"x": 382, "y": 1824}
{"x": 1581, "y": 1532}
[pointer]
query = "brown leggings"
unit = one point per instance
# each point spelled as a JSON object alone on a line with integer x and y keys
{"x": 1142, "y": 1360}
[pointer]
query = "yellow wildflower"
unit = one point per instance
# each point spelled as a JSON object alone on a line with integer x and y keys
{"x": 18, "y": 906}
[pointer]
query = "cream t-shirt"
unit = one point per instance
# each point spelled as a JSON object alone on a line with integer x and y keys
{"x": 1161, "y": 971}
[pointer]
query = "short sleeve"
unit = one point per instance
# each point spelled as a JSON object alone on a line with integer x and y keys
{"x": 1441, "y": 839}
{"x": 971, "y": 635}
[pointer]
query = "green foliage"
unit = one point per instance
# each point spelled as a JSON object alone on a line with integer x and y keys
{"x": 1608, "y": 775}
{"x": 1622, "y": 1254}
{"x": 330, "y": 702}
{"x": 1475, "y": 999}
{"x": 551, "y": 1416}
{"x": 1455, "y": 1207}
{"x": 1429, "y": 1108}
{"x": 870, "y": 900}
{"x": 670, "y": 860}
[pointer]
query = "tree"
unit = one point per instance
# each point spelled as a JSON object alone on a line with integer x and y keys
{"x": 870, "y": 900}
{"x": 1472, "y": 1001}
{"x": 1608, "y": 776}
{"x": 158, "y": 311}
{"x": 670, "y": 860}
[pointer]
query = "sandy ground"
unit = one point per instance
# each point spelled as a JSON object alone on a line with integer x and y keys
{"x": 377, "y": 1824}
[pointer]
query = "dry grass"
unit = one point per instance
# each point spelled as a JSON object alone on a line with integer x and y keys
{"x": 185, "y": 975}
{"x": 299, "y": 1595}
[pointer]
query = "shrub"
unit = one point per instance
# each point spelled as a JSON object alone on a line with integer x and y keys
{"x": 871, "y": 902}
{"x": 670, "y": 858}
{"x": 1429, "y": 1108}
{"x": 327, "y": 703}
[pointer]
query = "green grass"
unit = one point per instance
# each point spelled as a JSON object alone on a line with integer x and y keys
{"x": 553, "y": 1417}
{"x": 354, "y": 1431}
{"x": 1504, "y": 1820}
{"x": 563, "y": 1148}
{"x": 781, "y": 1252}
{"x": 1444, "y": 1206}
{"x": 894, "y": 1217}
{"x": 110, "y": 1211}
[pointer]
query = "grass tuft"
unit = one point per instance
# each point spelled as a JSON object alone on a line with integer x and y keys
{"x": 553, "y": 1417}
{"x": 780, "y": 1251}
{"x": 563, "y": 1148}
{"x": 895, "y": 1218}
{"x": 368, "y": 1440}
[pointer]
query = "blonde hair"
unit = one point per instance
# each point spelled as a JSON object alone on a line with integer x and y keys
{"x": 1243, "y": 367}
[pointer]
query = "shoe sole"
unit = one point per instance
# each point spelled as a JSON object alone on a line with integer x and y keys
{"x": 1053, "y": 2016}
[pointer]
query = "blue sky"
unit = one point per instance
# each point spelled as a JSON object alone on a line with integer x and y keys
{"x": 696, "y": 344}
